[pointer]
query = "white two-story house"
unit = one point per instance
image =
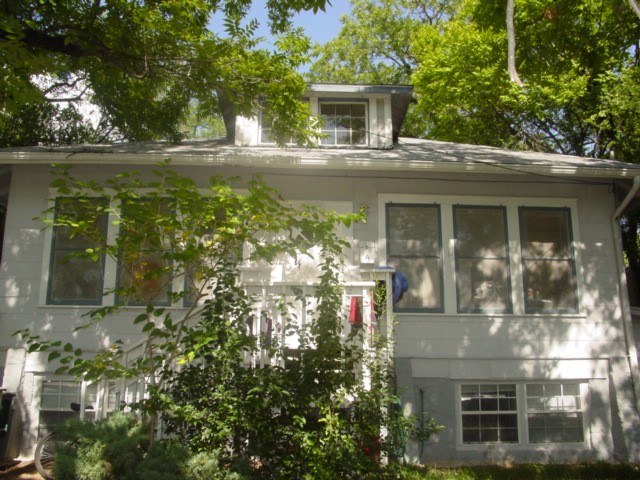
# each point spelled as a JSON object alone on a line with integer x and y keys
{"x": 515, "y": 333}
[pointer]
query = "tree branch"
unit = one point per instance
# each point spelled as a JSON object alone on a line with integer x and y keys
{"x": 511, "y": 45}
{"x": 634, "y": 6}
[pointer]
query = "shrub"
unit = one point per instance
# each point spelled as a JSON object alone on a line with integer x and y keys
{"x": 103, "y": 450}
{"x": 117, "y": 449}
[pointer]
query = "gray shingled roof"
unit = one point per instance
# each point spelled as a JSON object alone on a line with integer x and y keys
{"x": 407, "y": 155}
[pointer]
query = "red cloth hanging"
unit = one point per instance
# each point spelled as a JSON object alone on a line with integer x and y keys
{"x": 355, "y": 311}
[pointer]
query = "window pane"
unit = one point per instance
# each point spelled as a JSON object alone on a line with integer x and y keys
{"x": 343, "y": 138}
{"x": 343, "y": 123}
{"x": 358, "y": 138}
{"x": 75, "y": 280}
{"x": 73, "y": 277}
{"x": 423, "y": 275}
{"x": 471, "y": 435}
{"x": 328, "y": 109}
{"x": 480, "y": 232}
{"x": 144, "y": 276}
{"x": 549, "y": 285}
{"x": 265, "y": 136}
{"x": 549, "y": 266}
{"x": 145, "y": 280}
{"x": 489, "y": 425}
{"x": 545, "y": 233}
{"x": 558, "y": 418}
{"x": 358, "y": 110}
{"x": 414, "y": 230}
{"x": 413, "y": 247}
{"x": 482, "y": 266}
{"x": 483, "y": 284}
{"x": 358, "y": 125}
{"x": 328, "y": 138}
{"x": 343, "y": 110}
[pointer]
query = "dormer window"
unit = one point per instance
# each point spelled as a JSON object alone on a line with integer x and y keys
{"x": 345, "y": 123}
{"x": 347, "y": 116}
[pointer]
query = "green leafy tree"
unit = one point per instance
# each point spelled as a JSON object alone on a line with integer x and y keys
{"x": 307, "y": 413}
{"x": 142, "y": 63}
{"x": 374, "y": 46}
{"x": 562, "y": 52}
{"x": 200, "y": 125}
{"x": 45, "y": 123}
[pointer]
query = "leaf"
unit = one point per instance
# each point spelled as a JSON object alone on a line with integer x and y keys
{"x": 68, "y": 347}
{"x": 53, "y": 355}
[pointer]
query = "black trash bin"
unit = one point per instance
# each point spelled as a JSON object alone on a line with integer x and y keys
{"x": 5, "y": 422}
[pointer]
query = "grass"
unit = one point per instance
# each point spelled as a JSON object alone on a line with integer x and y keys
{"x": 589, "y": 471}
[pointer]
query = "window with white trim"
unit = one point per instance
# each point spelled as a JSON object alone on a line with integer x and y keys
{"x": 489, "y": 413}
{"x": 56, "y": 399}
{"x": 74, "y": 279}
{"x": 521, "y": 413}
{"x": 344, "y": 123}
{"x": 459, "y": 257}
{"x": 554, "y": 412}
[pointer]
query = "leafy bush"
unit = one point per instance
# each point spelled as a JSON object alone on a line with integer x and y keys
{"x": 104, "y": 450}
{"x": 118, "y": 449}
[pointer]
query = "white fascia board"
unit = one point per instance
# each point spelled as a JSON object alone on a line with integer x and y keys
{"x": 364, "y": 160}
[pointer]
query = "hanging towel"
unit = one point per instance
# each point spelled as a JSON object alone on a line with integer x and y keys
{"x": 355, "y": 311}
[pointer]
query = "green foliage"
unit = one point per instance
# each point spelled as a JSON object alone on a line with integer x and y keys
{"x": 306, "y": 416}
{"x": 170, "y": 460}
{"x": 575, "y": 57}
{"x": 562, "y": 51}
{"x": 142, "y": 63}
{"x": 45, "y": 124}
{"x": 104, "y": 450}
{"x": 117, "y": 448}
{"x": 207, "y": 466}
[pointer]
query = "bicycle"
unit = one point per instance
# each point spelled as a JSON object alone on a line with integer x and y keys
{"x": 45, "y": 450}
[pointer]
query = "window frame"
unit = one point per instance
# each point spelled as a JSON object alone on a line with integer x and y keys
{"x": 145, "y": 255}
{"x": 345, "y": 101}
{"x": 508, "y": 309}
{"x": 524, "y": 440}
{"x": 579, "y": 411}
{"x": 571, "y": 259}
{"x": 497, "y": 412}
{"x": 54, "y": 249}
{"x": 82, "y": 395}
{"x": 440, "y": 258}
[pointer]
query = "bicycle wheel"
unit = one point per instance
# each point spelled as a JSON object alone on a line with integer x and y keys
{"x": 44, "y": 456}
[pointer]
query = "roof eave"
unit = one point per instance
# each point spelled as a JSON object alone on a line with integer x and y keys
{"x": 311, "y": 161}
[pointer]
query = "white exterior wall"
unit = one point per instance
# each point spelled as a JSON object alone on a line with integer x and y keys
{"x": 434, "y": 352}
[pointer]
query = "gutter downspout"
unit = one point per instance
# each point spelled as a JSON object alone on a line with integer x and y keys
{"x": 632, "y": 354}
